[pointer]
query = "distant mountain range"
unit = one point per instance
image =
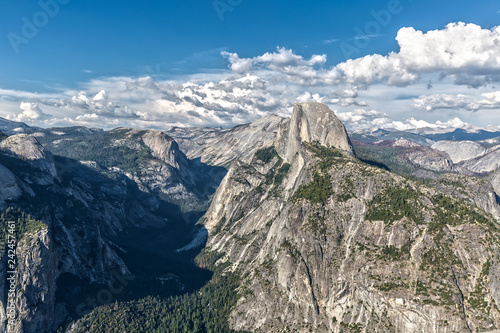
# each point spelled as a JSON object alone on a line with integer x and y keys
{"x": 425, "y": 136}
{"x": 10, "y": 127}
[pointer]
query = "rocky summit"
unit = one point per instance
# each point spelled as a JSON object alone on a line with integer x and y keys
{"x": 311, "y": 122}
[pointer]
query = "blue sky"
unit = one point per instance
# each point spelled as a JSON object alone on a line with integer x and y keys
{"x": 90, "y": 47}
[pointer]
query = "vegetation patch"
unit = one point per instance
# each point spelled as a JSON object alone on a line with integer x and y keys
{"x": 353, "y": 328}
{"x": 449, "y": 211}
{"x": 394, "y": 204}
{"x": 385, "y": 158}
{"x": 344, "y": 197}
{"x": 266, "y": 155}
{"x": 25, "y": 225}
{"x": 316, "y": 223}
{"x": 477, "y": 298}
{"x": 276, "y": 174}
{"x": 388, "y": 286}
{"x": 317, "y": 191}
{"x": 281, "y": 174}
{"x": 393, "y": 253}
{"x": 205, "y": 310}
{"x": 327, "y": 155}
{"x": 291, "y": 250}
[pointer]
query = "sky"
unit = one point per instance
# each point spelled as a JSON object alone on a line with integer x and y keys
{"x": 401, "y": 64}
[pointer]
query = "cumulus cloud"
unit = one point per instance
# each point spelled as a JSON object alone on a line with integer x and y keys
{"x": 465, "y": 51}
{"x": 282, "y": 60}
{"x": 31, "y": 112}
{"x": 468, "y": 53}
{"x": 490, "y": 100}
{"x": 144, "y": 102}
{"x": 364, "y": 119}
{"x": 360, "y": 119}
{"x": 286, "y": 66}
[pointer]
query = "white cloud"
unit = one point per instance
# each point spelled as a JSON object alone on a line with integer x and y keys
{"x": 370, "y": 119}
{"x": 284, "y": 65}
{"x": 364, "y": 119}
{"x": 307, "y": 97}
{"x": 465, "y": 51}
{"x": 31, "y": 112}
{"x": 360, "y": 115}
{"x": 460, "y": 47}
{"x": 330, "y": 41}
{"x": 282, "y": 60}
{"x": 490, "y": 100}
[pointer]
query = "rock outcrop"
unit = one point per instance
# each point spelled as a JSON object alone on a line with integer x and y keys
{"x": 430, "y": 159}
{"x": 9, "y": 189}
{"x": 477, "y": 157}
{"x": 10, "y": 127}
{"x": 311, "y": 122}
{"x": 221, "y": 147}
{"x": 495, "y": 181}
{"x": 460, "y": 150}
{"x": 163, "y": 147}
{"x": 28, "y": 148}
{"x": 36, "y": 284}
{"x": 483, "y": 164}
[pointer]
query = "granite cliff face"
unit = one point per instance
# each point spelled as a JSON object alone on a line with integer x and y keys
{"x": 326, "y": 243}
{"x": 9, "y": 188}
{"x": 311, "y": 122}
{"x": 163, "y": 147}
{"x": 28, "y": 148}
{"x": 495, "y": 182}
{"x": 483, "y": 164}
{"x": 477, "y": 157}
{"x": 461, "y": 150}
{"x": 221, "y": 147}
{"x": 36, "y": 284}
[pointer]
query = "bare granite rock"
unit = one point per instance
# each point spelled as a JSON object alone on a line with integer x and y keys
{"x": 9, "y": 189}
{"x": 460, "y": 150}
{"x": 221, "y": 147}
{"x": 28, "y": 148}
{"x": 35, "y": 284}
{"x": 311, "y": 122}
{"x": 486, "y": 163}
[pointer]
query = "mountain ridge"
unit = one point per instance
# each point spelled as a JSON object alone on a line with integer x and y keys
{"x": 319, "y": 249}
{"x": 320, "y": 240}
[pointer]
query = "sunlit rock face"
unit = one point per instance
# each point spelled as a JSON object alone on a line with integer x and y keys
{"x": 311, "y": 122}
